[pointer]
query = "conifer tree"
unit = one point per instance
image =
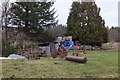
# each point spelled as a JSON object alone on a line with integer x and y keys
{"x": 33, "y": 18}
{"x": 86, "y": 24}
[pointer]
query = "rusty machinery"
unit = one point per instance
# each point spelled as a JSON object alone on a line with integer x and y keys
{"x": 62, "y": 53}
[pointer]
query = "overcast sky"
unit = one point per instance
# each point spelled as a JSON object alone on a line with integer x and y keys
{"x": 109, "y": 11}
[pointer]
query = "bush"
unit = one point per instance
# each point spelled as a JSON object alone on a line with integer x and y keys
{"x": 7, "y": 49}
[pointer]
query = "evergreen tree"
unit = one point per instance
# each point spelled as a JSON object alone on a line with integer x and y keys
{"x": 85, "y": 23}
{"x": 33, "y": 18}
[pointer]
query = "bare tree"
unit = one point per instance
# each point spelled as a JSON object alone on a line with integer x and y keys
{"x": 4, "y": 17}
{"x": 114, "y": 34}
{"x": 59, "y": 30}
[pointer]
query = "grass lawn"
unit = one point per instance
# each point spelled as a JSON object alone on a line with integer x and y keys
{"x": 101, "y": 64}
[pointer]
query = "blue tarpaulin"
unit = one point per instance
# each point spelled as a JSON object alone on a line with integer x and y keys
{"x": 67, "y": 43}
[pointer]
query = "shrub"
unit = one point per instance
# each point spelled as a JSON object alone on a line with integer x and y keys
{"x": 7, "y": 49}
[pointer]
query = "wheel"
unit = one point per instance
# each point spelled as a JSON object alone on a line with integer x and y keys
{"x": 53, "y": 55}
{"x": 75, "y": 54}
{"x": 63, "y": 55}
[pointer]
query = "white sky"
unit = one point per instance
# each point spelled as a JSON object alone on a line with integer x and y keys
{"x": 109, "y": 10}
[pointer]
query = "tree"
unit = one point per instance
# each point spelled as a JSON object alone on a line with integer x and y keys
{"x": 113, "y": 33}
{"x": 33, "y": 18}
{"x": 85, "y": 23}
{"x": 5, "y": 17}
{"x": 7, "y": 49}
{"x": 59, "y": 30}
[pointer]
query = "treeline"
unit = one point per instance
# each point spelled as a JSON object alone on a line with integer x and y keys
{"x": 114, "y": 33}
{"x": 37, "y": 20}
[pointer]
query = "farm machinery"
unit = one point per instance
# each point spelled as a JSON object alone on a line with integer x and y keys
{"x": 58, "y": 49}
{"x": 61, "y": 51}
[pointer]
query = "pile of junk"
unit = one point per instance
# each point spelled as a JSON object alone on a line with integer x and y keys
{"x": 60, "y": 48}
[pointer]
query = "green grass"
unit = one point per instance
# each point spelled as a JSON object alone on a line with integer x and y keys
{"x": 101, "y": 64}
